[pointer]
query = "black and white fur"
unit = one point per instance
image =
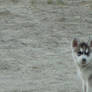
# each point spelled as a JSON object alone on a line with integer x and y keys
{"x": 82, "y": 55}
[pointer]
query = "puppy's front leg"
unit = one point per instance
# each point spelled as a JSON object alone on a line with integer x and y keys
{"x": 89, "y": 86}
{"x": 84, "y": 86}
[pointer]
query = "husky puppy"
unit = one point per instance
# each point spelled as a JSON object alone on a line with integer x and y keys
{"x": 82, "y": 55}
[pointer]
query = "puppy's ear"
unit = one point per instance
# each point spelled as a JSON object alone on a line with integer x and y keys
{"x": 74, "y": 43}
{"x": 91, "y": 43}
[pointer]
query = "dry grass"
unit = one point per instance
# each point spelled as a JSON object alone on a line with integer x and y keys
{"x": 14, "y": 1}
{"x": 60, "y": 2}
{"x": 32, "y": 2}
{"x": 50, "y": 1}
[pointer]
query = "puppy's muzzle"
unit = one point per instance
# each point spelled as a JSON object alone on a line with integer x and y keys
{"x": 83, "y": 61}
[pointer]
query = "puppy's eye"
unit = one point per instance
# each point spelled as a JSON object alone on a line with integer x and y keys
{"x": 87, "y": 53}
{"x": 80, "y": 53}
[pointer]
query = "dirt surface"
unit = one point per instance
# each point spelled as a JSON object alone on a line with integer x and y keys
{"x": 35, "y": 44}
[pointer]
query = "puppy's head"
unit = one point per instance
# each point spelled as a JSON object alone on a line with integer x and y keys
{"x": 82, "y": 52}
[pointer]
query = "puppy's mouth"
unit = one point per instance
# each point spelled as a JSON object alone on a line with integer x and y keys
{"x": 84, "y": 65}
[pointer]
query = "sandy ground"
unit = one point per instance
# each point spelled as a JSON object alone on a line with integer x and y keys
{"x": 35, "y": 44}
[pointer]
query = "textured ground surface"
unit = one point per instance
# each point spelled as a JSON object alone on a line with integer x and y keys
{"x": 35, "y": 38}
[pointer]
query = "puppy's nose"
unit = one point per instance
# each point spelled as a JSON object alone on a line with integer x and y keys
{"x": 83, "y": 61}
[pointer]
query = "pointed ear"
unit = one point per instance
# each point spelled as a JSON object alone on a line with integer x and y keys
{"x": 74, "y": 43}
{"x": 91, "y": 43}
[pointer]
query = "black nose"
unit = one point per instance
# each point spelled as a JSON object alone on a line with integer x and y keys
{"x": 83, "y": 61}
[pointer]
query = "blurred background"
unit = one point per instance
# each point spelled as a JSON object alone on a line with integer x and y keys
{"x": 35, "y": 44}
